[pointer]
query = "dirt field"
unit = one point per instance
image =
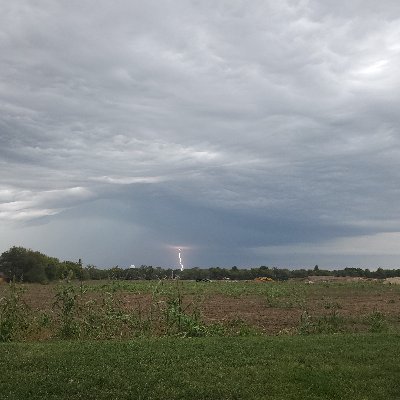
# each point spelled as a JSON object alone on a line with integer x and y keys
{"x": 271, "y": 308}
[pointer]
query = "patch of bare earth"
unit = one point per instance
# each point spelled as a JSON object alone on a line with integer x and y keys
{"x": 252, "y": 310}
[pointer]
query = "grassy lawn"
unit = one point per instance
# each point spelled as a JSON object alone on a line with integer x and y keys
{"x": 352, "y": 367}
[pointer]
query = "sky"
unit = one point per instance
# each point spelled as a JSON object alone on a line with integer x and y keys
{"x": 245, "y": 133}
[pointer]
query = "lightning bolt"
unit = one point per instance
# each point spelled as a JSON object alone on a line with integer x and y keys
{"x": 180, "y": 259}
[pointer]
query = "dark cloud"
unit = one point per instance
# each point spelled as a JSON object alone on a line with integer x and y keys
{"x": 251, "y": 131}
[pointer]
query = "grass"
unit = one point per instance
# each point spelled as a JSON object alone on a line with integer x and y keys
{"x": 227, "y": 288}
{"x": 274, "y": 290}
{"x": 173, "y": 353}
{"x": 281, "y": 294}
{"x": 356, "y": 367}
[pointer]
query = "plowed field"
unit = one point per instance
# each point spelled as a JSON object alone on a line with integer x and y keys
{"x": 265, "y": 307}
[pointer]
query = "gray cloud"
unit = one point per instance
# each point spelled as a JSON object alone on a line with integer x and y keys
{"x": 230, "y": 127}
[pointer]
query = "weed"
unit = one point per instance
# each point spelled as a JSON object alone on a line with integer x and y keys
{"x": 330, "y": 323}
{"x": 44, "y": 319}
{"x": 329, "y": 304}
{"x": 172, "y": 308}
{"x": 66, "y": 305}
{"x": 13, "y": 315}
{"x": 273, "y": 296}
{"x": 105, "y": 319}
{"x": 141, "y": 321}
{"x": 377, "y": 322}
{"x": 306, "y": 325}
{"x": 178, "y": 319}
{"x": 285, "y": 295}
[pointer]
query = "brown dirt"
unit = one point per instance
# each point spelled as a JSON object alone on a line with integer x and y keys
{"x": 254, "y": 310}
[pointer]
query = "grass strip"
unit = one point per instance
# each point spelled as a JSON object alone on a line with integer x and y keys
{"x": 356, "y": 367}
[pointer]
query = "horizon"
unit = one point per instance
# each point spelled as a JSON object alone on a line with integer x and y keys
{"x": 228, "y": 267}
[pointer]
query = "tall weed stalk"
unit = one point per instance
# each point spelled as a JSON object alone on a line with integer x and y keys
{"x": 66, "y": 305}
{"x": 14, "y": 314}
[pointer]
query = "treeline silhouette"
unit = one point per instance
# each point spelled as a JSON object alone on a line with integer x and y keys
{"x": 27, "y": 265}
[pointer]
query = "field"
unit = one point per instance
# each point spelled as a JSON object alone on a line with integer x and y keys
{"x": 124, "y": 309}
{"x": 200, "y": 340}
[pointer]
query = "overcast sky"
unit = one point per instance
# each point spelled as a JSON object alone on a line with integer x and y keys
{"x": 245, "y": 132}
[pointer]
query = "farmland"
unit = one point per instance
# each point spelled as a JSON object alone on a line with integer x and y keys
{"x": 205, "y": 340}
{"x": 124, "y": 309}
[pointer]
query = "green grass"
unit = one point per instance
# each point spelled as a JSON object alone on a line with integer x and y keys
{"x": 228, "y": 288}
{"x": 356, "y": 367}
{"x": 243, "y": 288}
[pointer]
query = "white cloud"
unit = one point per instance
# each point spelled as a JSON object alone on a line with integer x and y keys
{"x": 27, "y": 205}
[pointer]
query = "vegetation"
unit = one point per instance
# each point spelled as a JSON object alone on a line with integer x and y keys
{"x": 362, "y": 367}
{"x": 32, "y": 266}
{"x": 129, "y": 309}
{"x": 77, "y": 315}
{"x": 27, "y": 265}
{"x": 128, "y": 339}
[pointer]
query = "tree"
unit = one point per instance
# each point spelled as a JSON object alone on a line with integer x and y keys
{"x": 28, "y": 265}
{"x": 37, "y": 273}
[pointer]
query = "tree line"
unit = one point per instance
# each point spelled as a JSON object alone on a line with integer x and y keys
{"x": 27, "y": 265}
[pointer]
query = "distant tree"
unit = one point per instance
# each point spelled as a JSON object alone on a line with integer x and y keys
{"x": 37, "y": 273}
{"x": 299, "y": 273}
{"x": 380, "y": 273}
{"x": 134, "y": 273}
{"x": 28, "y": 265}
{"x": 95, "y": 273}
{"x": 116, "y": 273}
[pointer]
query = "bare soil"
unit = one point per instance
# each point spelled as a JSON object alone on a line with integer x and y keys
{"x": 351, "y": 303}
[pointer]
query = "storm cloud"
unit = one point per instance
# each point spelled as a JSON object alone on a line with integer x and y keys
{"x": 263, "y": 132}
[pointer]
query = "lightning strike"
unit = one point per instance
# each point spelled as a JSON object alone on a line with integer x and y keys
{"x": 180, "y": 259}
